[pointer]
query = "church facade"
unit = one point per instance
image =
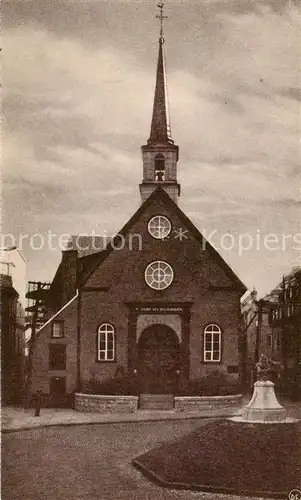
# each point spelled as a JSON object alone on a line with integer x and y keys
{"x": 158, "y": 303}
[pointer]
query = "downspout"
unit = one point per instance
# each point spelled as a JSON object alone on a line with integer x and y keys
{"x": 78, "y": 383}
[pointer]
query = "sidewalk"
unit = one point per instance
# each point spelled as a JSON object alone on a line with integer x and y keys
{"x": 14, "y": 419}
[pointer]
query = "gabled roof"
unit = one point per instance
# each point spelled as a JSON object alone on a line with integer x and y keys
{"x": 158, "y": 194}
{"x": 89, "y": 263}
{"x": 86, "y": 244}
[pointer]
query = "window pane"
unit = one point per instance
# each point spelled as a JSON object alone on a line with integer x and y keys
{"x": 215, "y": 356}
{"x": 102, "y": 346}
{"x": 101, "y": 355}
{"x": 216, "y": 337}
{"x": 110, "y": 355}
{"x": 102, "y": 341}
{"x": 207, "y": 356}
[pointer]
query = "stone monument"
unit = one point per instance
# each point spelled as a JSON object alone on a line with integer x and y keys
{"x": 264, "y": 407}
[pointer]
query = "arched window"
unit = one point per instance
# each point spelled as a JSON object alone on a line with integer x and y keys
{"x": 212, "y": 343}
{"x": 106, "y": 342}
{"x": 160, "y": 167}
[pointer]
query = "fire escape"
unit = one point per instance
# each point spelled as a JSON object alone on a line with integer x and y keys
{"x": 37, "y": 297}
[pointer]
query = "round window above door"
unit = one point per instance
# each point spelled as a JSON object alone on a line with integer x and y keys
{"x": 159, "y": 227}
{"x": 159, "y": 275}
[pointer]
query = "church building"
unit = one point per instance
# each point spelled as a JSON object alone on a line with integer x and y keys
{"x": 158, "y": 304}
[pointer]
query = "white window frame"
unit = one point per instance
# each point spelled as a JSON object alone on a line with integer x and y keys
{"x": 209, "y": 334}
{"x": 159, "y": 266}
{"x": 156, "y": 227}
{"x": 61, "y": 326}
{"x": 106, "y": 330}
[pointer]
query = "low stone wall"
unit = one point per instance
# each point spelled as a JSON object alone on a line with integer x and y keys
{"x": 94, "y": 403}
{"x": 197, "y": 403}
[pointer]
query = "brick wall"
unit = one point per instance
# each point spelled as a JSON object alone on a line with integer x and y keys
{"x": 195, "y": 271}
{"x": 41, "y": 372}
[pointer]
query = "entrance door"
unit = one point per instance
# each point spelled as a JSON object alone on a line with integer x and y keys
{"x": 158, "y": 354}
{"x": 58, "y": 392}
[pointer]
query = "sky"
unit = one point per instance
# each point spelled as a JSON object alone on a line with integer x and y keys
{"x": 77, "y": 101}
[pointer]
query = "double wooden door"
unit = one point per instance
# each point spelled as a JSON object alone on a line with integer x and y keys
{"x": 158, "y": 354}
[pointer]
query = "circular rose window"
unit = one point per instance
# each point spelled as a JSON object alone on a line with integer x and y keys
{"x": 159, "y": 275}
{"x": 159, "y": 227}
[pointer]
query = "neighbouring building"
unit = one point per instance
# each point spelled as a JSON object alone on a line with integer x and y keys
{"x": 272, "y": 326}
{"x": 13, "y": 263}
{"x": 285, "y": 322}
{"x": 12, "y": 287}
{"x": 157, "y": 302}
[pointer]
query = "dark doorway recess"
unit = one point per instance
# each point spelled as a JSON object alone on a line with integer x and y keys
{"x": 57, "y": 388}
{"x": 158, "y": 355}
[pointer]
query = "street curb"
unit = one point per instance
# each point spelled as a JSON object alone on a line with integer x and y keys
{"x": 160, "y": 419}
{"x": 157, "y": 479}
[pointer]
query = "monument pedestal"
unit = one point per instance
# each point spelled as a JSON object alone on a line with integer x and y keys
{"x": 263, "y": 407}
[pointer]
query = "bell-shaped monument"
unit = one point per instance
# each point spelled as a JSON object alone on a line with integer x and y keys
{"x": 264, "y": 406}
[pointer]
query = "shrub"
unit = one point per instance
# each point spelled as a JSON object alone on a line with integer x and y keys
{"x": 116, "y": 386}
{"x": 213, "y": 384}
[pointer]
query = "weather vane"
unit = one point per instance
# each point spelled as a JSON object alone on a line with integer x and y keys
{"x": 161, "y": 17}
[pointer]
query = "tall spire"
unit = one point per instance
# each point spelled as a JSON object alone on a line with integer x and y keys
{"x": 160, "y": 155}
{"x": 160, "y": 126}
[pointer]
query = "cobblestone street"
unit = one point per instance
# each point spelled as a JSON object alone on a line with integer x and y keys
{"x": 88, "y": 462}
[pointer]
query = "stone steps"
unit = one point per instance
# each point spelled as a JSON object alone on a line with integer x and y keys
{"x": 156, "y": 402}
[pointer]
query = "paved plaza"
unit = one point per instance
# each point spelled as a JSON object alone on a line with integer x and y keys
{"x": 89, "y": 462}
{"x": 88, "y": 456}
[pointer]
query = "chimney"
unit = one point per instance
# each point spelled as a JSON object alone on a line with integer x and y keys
{"x": 69, "y": 275}
{"x": 6, "y": 281}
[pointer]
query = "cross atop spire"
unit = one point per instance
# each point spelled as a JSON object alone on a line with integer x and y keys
{"x": 161, "y": 17}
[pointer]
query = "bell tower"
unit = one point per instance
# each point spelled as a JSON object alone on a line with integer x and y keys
{"x": 160, "y": 155}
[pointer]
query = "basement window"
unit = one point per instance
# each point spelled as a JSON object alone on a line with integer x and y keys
{"x": 232, "y": 369}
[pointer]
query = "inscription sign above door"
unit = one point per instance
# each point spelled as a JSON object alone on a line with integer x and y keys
{"x": 159, "y": 309}
{"x": 152, "y": 308}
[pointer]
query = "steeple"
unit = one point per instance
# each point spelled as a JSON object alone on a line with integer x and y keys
{"x": 160, "y": 127}
{"x": 160, "y": 154}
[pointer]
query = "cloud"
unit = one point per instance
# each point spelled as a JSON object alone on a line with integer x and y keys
{"x": 78, "y": 92}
